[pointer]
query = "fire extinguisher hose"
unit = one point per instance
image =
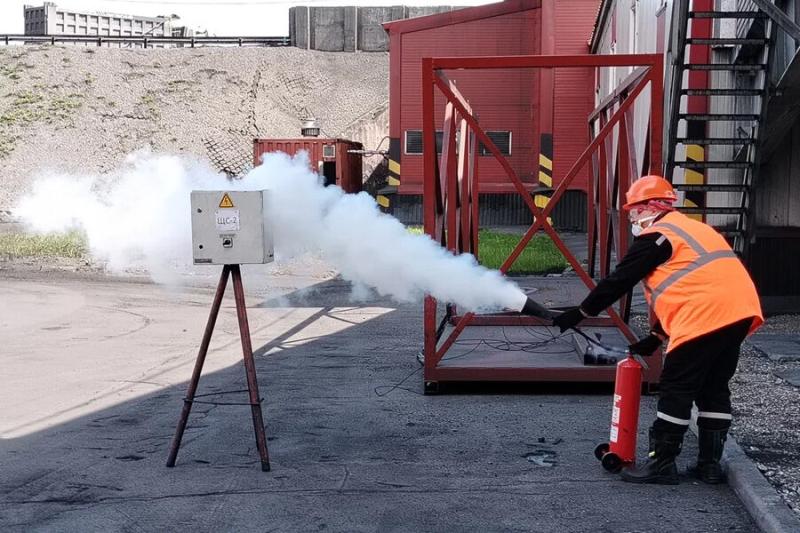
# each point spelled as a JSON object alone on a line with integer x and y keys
{"x": 612, "y": 349}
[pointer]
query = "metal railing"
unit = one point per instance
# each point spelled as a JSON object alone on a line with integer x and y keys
{"x": 145, "y": 41}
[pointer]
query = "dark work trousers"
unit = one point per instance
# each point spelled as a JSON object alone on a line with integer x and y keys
{"x": 698, "y": 372}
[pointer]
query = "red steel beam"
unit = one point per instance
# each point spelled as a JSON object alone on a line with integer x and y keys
{"x": 465, "y": 229}
{"x": 473, "y": 122}
{"x": 551, "y": 61}
{"x": 475, "y": 196}
{"x": 430, "y": 200}
{"x": 431, "y": 78}
{"x": 540, "y": 220}
{"x": 591, "y": 237}
{"x": 627, "y": 157}
{"x": 573, "y": 374}
{"x": 656, "y": 120}
{"x": 449, "y": 177}
{"x": 602, "y": 207}
{"x": 521, "y": 320}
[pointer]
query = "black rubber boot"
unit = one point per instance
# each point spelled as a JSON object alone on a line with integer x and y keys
{"x": 710, "y": 445}
{"x": 660, "y": 467}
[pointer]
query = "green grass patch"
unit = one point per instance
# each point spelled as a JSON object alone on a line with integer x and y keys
{"x": 26, "y": 98}
{"x": 540, "y": 256}
{"x": 19, "y": 245}
{"x": 150, "y": 104}
{"x": 29, "y": 107}
{"x": 11, "y": 71}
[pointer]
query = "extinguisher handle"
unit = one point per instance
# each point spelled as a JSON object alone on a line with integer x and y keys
{"x": 638, "y": 358}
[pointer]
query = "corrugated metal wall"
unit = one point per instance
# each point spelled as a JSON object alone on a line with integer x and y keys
{"x": 632, "y": 27}
{"x": 503, "y": 210}
{"x": 510, "y": 105}
{"x": 572, "y": 92}
{"x": 513, "y": 102}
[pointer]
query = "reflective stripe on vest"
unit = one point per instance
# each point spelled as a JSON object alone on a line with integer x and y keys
{"x": 704, "y": 258}
{"x": 709, "y": 294}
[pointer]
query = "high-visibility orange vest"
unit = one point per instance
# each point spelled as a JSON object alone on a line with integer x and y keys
{"x": 703, "y": 287}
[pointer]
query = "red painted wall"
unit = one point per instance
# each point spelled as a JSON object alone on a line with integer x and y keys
{"x": 574, "y": 99}
{"x": 503, "y": 99}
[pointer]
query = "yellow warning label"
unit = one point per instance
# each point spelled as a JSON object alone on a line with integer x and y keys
{"x": 226, "y": 201}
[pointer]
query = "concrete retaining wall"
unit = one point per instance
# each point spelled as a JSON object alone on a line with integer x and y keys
{"x": 349, "y": 29}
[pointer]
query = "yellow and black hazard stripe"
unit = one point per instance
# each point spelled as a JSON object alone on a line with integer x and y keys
{"x": 546, "y": 160}
{"x": 542, "y": 196}
{"x": 695, "y": 129}
{"x": 393, "y": 181}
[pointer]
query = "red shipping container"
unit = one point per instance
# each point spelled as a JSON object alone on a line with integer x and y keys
{"x": 328, "y": 157}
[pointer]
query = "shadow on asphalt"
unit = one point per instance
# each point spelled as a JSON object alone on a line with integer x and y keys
{"x": 348, "y": 452}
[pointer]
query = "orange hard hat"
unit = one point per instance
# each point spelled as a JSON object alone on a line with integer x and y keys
{"x": 649, "y": 188}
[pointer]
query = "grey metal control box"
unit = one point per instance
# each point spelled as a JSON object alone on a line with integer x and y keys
{"x": 229, "y": 228}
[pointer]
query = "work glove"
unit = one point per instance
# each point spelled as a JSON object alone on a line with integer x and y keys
{"x": 568, "y": 319}
{"x": 646, "y": 345}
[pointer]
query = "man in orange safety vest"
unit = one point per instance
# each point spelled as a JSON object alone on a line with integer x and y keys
{"x": 705, "y": 304}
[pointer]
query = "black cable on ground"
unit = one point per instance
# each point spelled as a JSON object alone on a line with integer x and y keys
{"x": 504, "y": 345}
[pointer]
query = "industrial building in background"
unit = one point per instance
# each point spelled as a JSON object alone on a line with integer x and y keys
{"x": 49, "y": 19}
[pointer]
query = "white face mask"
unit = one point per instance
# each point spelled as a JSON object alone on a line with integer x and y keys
{"x": 638, "y": 227}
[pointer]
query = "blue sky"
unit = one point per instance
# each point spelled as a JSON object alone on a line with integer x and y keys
{"x": 220, "y": 17}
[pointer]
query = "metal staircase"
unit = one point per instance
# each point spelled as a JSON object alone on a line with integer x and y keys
{"x": 736, "y": 96}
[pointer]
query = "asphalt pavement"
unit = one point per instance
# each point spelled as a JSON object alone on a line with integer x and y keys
{"x": 94, "y": 372}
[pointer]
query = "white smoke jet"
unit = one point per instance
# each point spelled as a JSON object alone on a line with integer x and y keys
{"x": 141, "y": 216}
{"x": 133, "y": 218}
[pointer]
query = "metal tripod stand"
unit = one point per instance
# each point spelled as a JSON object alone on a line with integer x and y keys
{"x": 249, "y": 365}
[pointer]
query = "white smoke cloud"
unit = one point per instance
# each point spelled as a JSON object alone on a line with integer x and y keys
{"x": 140, "y": 216}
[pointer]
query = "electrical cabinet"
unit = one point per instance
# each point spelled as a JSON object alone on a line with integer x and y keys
{"x": 230, "y": 228}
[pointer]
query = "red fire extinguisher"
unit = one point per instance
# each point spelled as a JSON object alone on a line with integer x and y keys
{"x": 621, "y": 448}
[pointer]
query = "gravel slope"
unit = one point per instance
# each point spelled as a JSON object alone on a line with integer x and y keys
{"x": 82, "y": 109}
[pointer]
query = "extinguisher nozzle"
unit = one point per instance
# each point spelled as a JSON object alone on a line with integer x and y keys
{"x": 533, "y": 308}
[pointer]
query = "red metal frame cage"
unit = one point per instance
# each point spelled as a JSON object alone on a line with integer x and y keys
{"x": 450, "y": 199}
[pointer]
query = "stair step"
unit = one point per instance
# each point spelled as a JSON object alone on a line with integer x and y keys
{"x": 720, "y": 41}
{"x": 753, "y": 67}
{"x": 729, "y": 232}
{"x": 720, "y": 141}
{"x": 722, "y": 92}
{"x": 719, "y": 117}
{"x": 711, "y": 210}
{"x": 706, "y": 187}
{"x": 712, "y": 164}
{"x": 727, "y": 15}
